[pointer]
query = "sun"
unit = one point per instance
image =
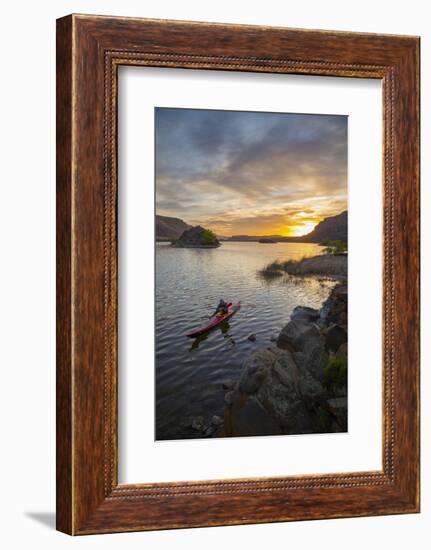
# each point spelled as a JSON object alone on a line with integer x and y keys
{"x": 303, "y": 229}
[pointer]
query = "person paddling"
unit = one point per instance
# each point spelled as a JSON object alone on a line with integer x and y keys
{"x": 222, "y": 307}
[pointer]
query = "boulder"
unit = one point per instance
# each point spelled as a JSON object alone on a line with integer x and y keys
{"x": 335, "y": 337}
{"x": 340, "y": 292}
{"x": 286, "y": 370}
{"x": 287, "y": 392}
{"x": 255, "y": 370}
{"x": 285, "y": 404}
{"x": 334, "y": 309}
{"x": 306, "y": 343}
{"x": 276, "y": 393}
{"x": 228, "y": 384}
{"x": 296, "y": 335}
{"x": 303, "y": 313}
{"x": 198, "y": 423}
{"x": 297, "y": 378}
{"x": 210, "y": 431}
{"x": 338, "y": 408}
{"x": 280, "y": 387}
{"x": 247, "y": 417}
{"x": 342, "y": 351}
{"x": 216, "y": 420}
{"x": 337, "y": 404}
{"x": 343, "y": 319}
{"x": 310, "y": 388}
{"x": 229, "y": 397}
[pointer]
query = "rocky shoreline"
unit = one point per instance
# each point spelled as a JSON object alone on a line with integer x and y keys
{"x": 297, "y": 385}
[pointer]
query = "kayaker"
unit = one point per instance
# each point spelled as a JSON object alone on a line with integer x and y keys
{"x": 222, "y": 307}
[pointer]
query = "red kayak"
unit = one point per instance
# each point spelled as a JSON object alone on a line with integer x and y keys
{"x": 215, "y": 321}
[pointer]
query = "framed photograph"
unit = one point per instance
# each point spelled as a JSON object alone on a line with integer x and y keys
{"x": 237, "y": 274}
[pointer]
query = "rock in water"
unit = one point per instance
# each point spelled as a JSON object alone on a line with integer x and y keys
{"x": 252, "y": 337}
{"x": 197, "y": 237}
{"x": 302, "y": 313}
{"x": 228, "y": 384}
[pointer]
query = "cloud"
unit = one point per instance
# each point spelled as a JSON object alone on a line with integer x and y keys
{"x": 252, "y": 169}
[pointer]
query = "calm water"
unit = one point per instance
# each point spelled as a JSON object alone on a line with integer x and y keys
{"x": 189, "y": 284}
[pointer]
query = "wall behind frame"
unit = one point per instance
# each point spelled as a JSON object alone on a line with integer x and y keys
{"x": 27, "y": 289}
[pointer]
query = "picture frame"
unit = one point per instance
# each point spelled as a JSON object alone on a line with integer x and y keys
{"x": 89, "y": 51}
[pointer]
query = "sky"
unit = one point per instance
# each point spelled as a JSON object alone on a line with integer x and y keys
{"x": 250, "y": 173}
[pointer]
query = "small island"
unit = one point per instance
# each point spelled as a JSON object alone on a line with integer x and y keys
{"x": 267, "y": 240}
{"x": 197, "y": 237}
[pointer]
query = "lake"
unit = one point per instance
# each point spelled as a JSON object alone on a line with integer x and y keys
{"x": 189, "y": 285}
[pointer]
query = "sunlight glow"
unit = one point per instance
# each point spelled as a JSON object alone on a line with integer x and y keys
{"x": 302, "y": 229}
{"x": 250, "y": 173}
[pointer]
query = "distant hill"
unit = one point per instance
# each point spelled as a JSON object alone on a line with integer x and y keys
{"x": 169, "y": 228}
{"x": 257, "y": 238}
{"x": 332, "y": 229}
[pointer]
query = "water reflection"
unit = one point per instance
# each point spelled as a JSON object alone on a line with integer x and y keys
{"x": 189, "y": 284}
{"x": 223, "y": 329}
